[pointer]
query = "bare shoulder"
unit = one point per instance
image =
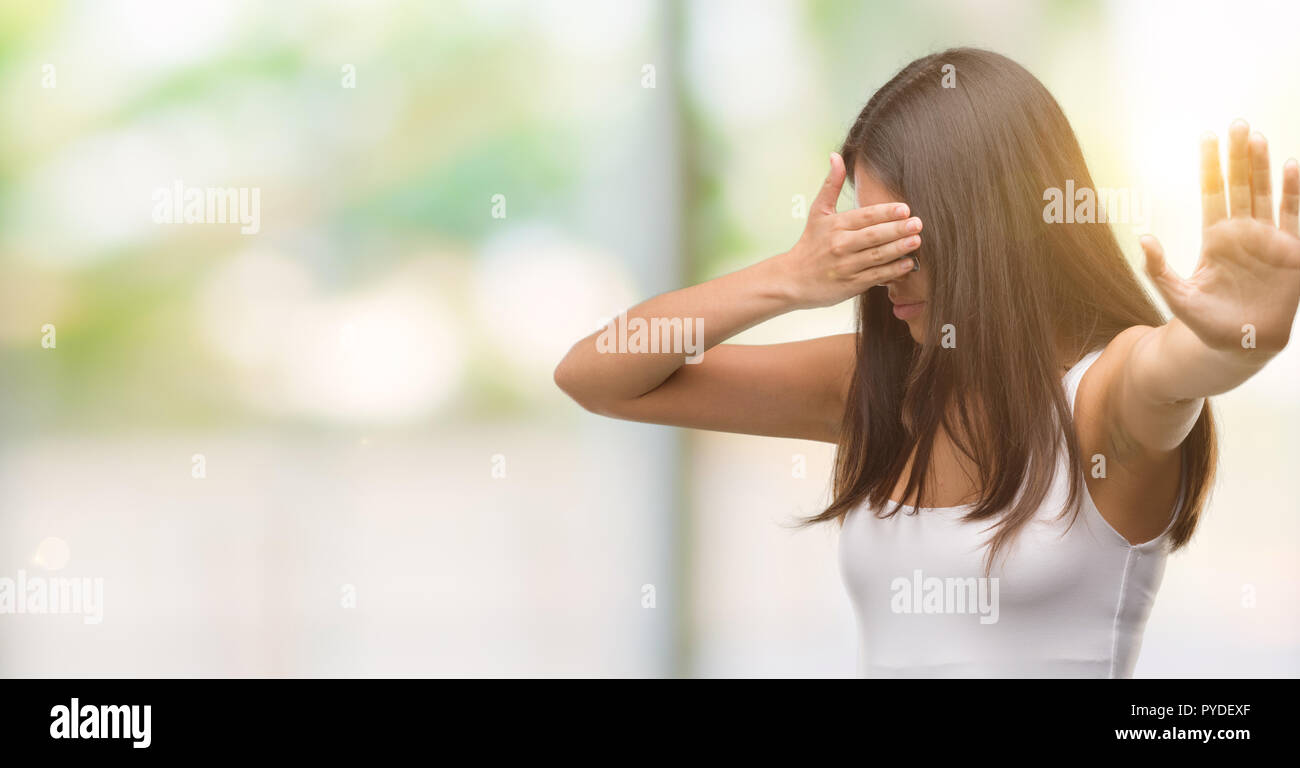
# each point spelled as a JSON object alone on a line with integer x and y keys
{"x": 1134, "y": 489}
{"x": 1101, "y": 379}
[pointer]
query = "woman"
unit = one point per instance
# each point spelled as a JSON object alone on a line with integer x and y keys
{"x": 1021, "y": 438}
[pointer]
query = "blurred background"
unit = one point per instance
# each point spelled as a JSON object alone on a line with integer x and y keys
{"x": 333, "y": 447}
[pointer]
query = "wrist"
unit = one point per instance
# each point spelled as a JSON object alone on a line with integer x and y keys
{"x": 1241, "y": 358}
{"x": 1199, "y": 368}
{"x": 776, "y": 283}
{"x": 1238, "y": 352}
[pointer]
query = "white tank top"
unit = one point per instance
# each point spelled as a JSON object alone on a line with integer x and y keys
{"x": 1063, "y": 603}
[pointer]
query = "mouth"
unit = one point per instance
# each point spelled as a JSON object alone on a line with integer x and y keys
{"x": 907, "y": 310}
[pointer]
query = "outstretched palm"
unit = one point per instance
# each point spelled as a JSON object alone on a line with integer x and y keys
{"x": 1244, "y": 292}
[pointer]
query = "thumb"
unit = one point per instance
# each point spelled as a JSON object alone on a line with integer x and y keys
{"x": 1172, "y": 287}
{"x": 828, "y": 196}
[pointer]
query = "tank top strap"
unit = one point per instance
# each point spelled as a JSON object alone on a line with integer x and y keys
{"x": 1075, "y": 375}
{"x": 1071, "y": 382}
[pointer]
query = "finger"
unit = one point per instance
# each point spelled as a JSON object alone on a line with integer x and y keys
{"x": 1261, "y": 183}
{"x": 1289, "y": 213}
{"x": 828, "y": 197}
{"x": 1238, "y": 170}
{"x": 870, "y": 215}
{"x": 879, "y": 234}
{"x": 883, "y": 254}
{"x": 891, "y": 271}
{"x": 1213, "y": 205}
{"x": 1172, "y": 287}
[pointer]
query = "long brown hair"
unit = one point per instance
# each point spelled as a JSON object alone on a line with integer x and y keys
{"x": 973, "y": 162}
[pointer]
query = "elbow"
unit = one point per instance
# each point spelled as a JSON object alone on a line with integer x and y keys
{"x": 570, "y": 382}
{"x": 566, "y": 378}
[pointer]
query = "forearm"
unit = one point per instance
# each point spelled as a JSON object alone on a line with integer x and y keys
{"x": 839, "y": 256}
{"x": 603, "y": 369}
{"x": 1171, "y": 364}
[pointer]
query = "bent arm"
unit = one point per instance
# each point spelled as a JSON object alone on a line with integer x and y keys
{"x": 780, "y": 390}
{"x": 596, "y": 376}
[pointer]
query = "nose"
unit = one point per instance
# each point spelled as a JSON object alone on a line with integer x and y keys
{"x": 899, "y": 279}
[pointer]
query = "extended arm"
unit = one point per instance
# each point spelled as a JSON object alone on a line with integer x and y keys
{"x": 1232, "y": 315}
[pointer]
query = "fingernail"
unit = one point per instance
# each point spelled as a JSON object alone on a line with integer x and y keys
{"x": 914, "y": 225}
{"x": 900, "y": 210}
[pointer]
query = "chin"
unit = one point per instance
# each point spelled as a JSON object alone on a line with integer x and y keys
{"x": 917, "y": 329}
